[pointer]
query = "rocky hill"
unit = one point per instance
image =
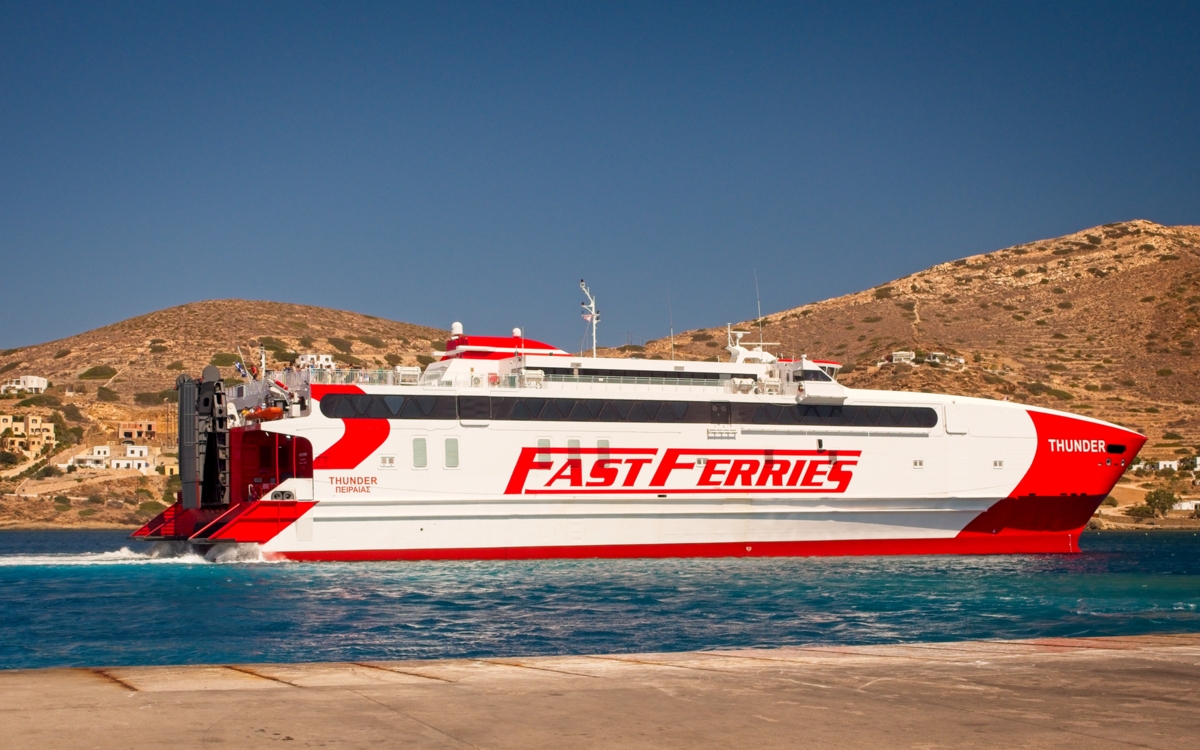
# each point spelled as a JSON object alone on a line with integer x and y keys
{"x": 1100, "y": 322}
{"x": 140, "y": 357}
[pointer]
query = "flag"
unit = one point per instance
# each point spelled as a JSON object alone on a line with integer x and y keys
{"x": 588, "y": 317}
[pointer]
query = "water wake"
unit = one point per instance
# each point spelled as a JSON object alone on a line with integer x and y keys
{"x": 176, "y": 553}
{"x": 235, "y": 553}
{"x": 123, "y": 556}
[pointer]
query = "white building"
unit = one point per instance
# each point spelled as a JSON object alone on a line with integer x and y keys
{"x": 140, "y": 464}
{"x": 1172, "y": 465}
{"x": 137, "y": 451}
{"x": 316, "y": 362}
{"x": 27, "y": 383}
{"x": 95, "y": 457}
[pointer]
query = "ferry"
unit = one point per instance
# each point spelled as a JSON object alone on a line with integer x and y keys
{"x": 509, "y": 448}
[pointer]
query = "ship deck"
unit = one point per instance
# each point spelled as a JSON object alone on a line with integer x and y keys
{"x": 1090, "y": 693}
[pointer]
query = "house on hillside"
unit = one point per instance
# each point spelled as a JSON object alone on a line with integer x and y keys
{"x": 315, "y": 362}
{"x": 139, "y": 464}
{"x": 26, "y": 383}
{"x": 95, "y": 457}
{"x": 137, "y": 457}
{"x": 1163, "y": 465}
{"x": 130, "y": 431}
{"x": 169, "y": 465}
{"x": 29, "y": 434}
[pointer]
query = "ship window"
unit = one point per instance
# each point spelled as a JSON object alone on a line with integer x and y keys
{"x": 387, "y": 462}
{"x": 378, "y": 409}
{"x": 359, "y": 405}
{"x": 393, "y": 404}
{"x": 343, "y": 408}
{"x": 573, "y": 447}
{"x": 1115, "y": 449}
{"x": 502, "y": 408}
{"x": 997, "y": 464}
{"x": 602, "y": 447}
{"x": 451, "y": 453}
{"x": 638, "y": 413}
{"x": 420, "y": 454}
{"x": 535, "y": 405}
{"x": 918, "y": 463}
{"x": 410, "y": 410}
{"x": 816, "y": 375}
{"x": 543, "y": 449}
{"x": 361, "y": 401}
{"x": 474, "y": 407}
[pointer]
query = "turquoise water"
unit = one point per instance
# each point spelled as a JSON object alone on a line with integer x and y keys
{"x": 75, "y": 598}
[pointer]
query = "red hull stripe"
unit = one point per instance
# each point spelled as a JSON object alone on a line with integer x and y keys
{"x": 981, "y": 545}
{"x": 361, "y": 438}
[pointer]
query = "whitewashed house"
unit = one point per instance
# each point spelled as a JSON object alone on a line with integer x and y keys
{"x": 140, "y": 464}
{"x": 27, "y": 383}
{"x": 95, "y": 457}
{"x": 316, "y": 362}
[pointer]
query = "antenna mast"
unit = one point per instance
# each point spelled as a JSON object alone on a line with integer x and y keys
{"x": 671, "y": 320}
{"x": 758, "y": 299}
{"x": 590, "y": 315}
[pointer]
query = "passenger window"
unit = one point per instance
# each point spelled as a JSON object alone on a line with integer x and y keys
{"x": 420, "y": 454}
{"x": 451, "y": 453}
{"x": 543, "y": 449}
{"x": 602, "y": 447}
{"x": 573, "y": 447}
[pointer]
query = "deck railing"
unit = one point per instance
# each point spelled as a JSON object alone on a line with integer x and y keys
{"x": 529, "y": 379}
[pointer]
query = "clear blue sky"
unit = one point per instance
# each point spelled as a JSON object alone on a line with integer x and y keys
{"x": 472, "y": 162}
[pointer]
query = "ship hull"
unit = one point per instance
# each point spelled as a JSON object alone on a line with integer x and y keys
{"x": 477, "y": 478}
{"x": 726, "y": 528}
{"x": 1008, "y": 545}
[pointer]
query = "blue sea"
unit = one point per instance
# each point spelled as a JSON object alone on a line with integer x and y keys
{"x": 93, "y": 598}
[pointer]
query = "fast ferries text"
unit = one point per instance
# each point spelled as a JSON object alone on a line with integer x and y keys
{"x": 582, "y": 471}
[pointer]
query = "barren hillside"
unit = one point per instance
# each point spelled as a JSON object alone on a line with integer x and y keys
{"x": 1100, "y": 322}
{"x": 146, "y": 353}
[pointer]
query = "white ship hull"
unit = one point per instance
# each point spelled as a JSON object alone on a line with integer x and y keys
{"x": 479, "y": 475}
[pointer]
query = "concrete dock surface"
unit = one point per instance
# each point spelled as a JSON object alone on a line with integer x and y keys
{"x": 1048, "y": 693}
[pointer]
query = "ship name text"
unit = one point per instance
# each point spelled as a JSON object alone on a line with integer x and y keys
{"x": 353, "y": 484}
{"x": 1076, "y": 446}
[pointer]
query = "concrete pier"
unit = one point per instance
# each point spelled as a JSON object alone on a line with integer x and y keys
{"x": 1049, "y": 693}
